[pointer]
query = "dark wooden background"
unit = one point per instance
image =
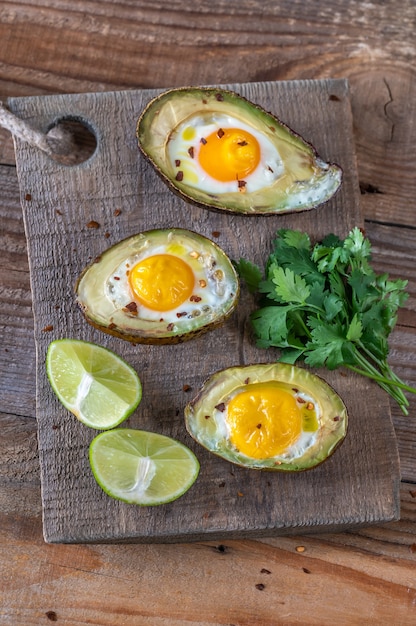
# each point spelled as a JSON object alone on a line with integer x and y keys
{"x": 62, "y": 46}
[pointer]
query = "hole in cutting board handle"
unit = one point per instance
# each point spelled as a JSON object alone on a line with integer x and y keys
{"x": 72, "y": 140}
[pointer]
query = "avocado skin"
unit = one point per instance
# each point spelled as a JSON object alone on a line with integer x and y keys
{"x": 320, "y": 182}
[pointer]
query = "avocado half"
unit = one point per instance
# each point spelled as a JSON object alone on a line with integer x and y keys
{"x": 105, "y": 295}
{"x": 319, "y": 409}
{"x": 301, "y": 179}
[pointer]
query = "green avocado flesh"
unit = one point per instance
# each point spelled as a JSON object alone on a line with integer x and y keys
{"x": 172, "y": 134}
{"x": 165, "y": 262}
{"x": 306, "y": 425}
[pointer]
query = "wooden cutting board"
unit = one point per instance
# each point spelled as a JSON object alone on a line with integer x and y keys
{"x": 119, "y": 194}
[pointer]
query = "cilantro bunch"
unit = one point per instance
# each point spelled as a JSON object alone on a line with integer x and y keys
{"x": 324, "y": 304}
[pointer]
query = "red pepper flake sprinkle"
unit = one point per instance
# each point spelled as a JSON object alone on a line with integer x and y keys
{"x": 93, "y": 224}
{"x": 247, "y": 380}
{"x": 265, "y": 571}
{"x": 195, "y": 298}
{"x": 260, "y": 586}
{"x": 186, "y": 388}
{"x": 295, "y": 389}
{"x": 220, "y": 407}
{"x": 111, "y": 326}
{"x": 258, "y": 426}
{"x": 191, "y": 152}
{"x": 242, "y": 186}
{"x": 243, "y": 143}
{"x": 28, "y": 197}
{"x": 116, "y": 277}
{"x": 300, "y": 400}
{"x": 203, "y": 141}
{"x": 306, "y": 570}
{"x": 220, "y": 133}
{"x": 179, "y": 176}
{"x": 337, "y": 418}
{"x": 48, "y": 328}
{"x": 216, "y": 233}
{"x": 177, "y": 162}
{"x": 107, "y": 235}
{"x": 131, "y": 307}
{"x": 207, "y": 417}
{"x": 181, "y": 314}
{"x": 170, "y": 326}
{"x": 219, "y": 97}
{"x": 117, "y": 212}
{"x": 58, "y": 212}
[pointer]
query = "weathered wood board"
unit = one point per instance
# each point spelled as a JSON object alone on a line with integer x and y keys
{"x": 121, "y": 193}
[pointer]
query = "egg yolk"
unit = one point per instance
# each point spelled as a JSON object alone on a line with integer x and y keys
{"x": 264, "y": 420}
{"x": 229, "y": 154}
{"x": 162, "y": 282}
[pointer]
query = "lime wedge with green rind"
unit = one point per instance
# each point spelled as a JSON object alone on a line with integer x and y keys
{"x": 92, "y": 382}
{"x": 140, "y": 467}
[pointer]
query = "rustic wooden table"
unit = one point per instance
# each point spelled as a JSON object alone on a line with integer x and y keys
{"x": 365, "y": 576}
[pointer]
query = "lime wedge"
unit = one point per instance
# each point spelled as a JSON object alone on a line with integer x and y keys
{"x": 92, "y": 382}
{"x": 141, "y": 467}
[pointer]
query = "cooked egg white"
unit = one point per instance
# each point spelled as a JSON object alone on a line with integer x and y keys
{"x": 168, "y": 282}
{"x": 218, "y": 153}
{"x": 267, "y": 420}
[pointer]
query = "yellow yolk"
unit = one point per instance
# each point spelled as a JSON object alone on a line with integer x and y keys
{"x": 264, "y": 420}
{"x": 162, "y": 282}
{"x": 229, "y": 154}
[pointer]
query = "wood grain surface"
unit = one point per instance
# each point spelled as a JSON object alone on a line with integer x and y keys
{"x": 121, "y": 195}
{"x": 54, "y": 46}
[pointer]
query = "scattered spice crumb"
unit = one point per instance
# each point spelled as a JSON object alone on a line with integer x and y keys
{"x": 177, "y": 162}
{"x": 131, "y": 307}
{"x": 52, "y": 616}
{"x": 28, "y": 197}
{"x": 179, "y": 176}
{"x": 220, "y": 133}
{"x": 260, "y": 586}
{"x": 48, "y": 328}
{"x": 93, "y": 224}
{"x": 203, "y": 141}
{"x": 306, "y": 570}
{"x": 219, "y": 97}
{"x": 117, "y": 212}
{"x": 187, "y": 388}
{"x": 265, "y": 571}
{"x": 58, "y": 212}
{"x": 107, "y": 235}
{"x": 220, "y": 407}
{"x": 216, "y": 233}
{"x": 191, "y": 152}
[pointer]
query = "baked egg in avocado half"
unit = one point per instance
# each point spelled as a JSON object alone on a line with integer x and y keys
{"x": 159, "y": 286}
{"x": 272, "y": 416}
{"x": 218, "y": 150}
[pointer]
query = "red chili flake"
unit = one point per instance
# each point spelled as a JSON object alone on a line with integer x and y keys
{"x": 306, "y": 570}
{"x": 270, "y": 169}
{"x": 48, "y": 328}
{"x": 111, "y": 326}
{"x": 300, "y": 400}
{"x": 247, "y": 380}
{"x": 241, "y": 183}
{"x": 117, "y": 212}
{"x": 195, "y": 298}
{"x": 203, "y": 141}
{"x": 181, "y": 314}
{"x": 258, "y": 426}
{"x": 220, "y": 407}
{"x": 107, "y": 235}
{"x": 334, "y": 98}
{"x": 337, "y": 418}
{"x": 170, "y": 326}
{"x": 52, "y": 616}
{"x": 179, "y": 176}
{"x": 191, "y": 152}
{"x": 131, "y": 307}
{"x": 265, "y": 571}
{"x": 295, "y": 389}
{"x": 186, "y": 388}
{"x": 207, "y": 417}
{"x": 28, "y": 197}
{"x": 260, "y": 586}
{"x": 58, "y": 212}
{"x": 93, "y": 224}
{"x": 243, "y": 143}
{"x": 116, "y": 277}
{"x": 220, "y": 133}
{"x": 177, "y": 162}
{"x": 219, "y": 97}
{"x": 216, "y": 233}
